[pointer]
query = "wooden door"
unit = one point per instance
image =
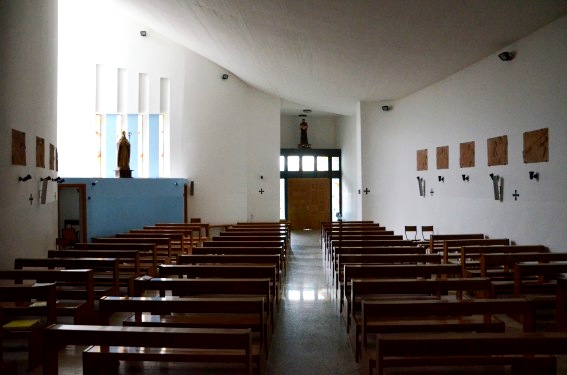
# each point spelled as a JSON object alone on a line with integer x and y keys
{"x": 309, "y": 202}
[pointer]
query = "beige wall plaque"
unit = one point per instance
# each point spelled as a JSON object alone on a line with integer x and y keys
{"x": 422, "y": 160}
{"x": 497, "y": 150}
{"x": 443, "y": 157}
{"x": 467, "y": 159}
{"x": 536, "y": 146}
{"x": 39, "y": 152}
{"x": 51, "y": 157}
{"x": 18, "y": 147}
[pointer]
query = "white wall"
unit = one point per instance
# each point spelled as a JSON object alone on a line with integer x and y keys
{"x": 488, "y": 99}
{"x": 320, "y": 134}
{"x": 349, "y": 143}
{"x": 28, "y": 103}
{"x": 212, "y": 120}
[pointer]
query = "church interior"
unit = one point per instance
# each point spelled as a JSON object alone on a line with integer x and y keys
{"x": 281, "y": 141}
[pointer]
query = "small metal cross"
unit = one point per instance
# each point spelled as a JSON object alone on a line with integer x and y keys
{"x": 261, "y": 191}
{"x": 366, "y": 191}
{"x": 31, "y": 199}
{"x": 515, "y": 195}
{"x": 431, "y": 192}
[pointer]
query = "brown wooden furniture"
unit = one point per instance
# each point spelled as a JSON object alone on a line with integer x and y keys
{"x": 110, "y": 344}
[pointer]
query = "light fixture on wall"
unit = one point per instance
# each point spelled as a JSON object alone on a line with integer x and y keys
{"x": 441, "y": 178}
{"x": 534, "y": 175}
{"x": 48, "y": 178}
{"x": 386, "y": 108}
{"x": 59, "y": 180}
{"x": 465, "y": 178}
{"x": 143, "y": 33}
{"x": 506, "y": 55}
{"x": 224, "y": 76}
{"x": 25, "y": 178}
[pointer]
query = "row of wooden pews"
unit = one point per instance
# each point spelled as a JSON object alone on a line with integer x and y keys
{"x": 396, "y": 300}
{"x": 213, "y": 306}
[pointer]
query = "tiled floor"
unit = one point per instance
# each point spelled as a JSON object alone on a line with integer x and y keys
{"x": 309, "y": 337}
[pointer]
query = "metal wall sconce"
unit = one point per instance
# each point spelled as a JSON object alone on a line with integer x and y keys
{"x": 386, "y": 108}
{"x": 465, "y": 178}
{"x": 534, "y": 175}
{"x": 224, "y": 76}
{"x": 421, "y": 183}
{"x": 498, "y": 185}
{"x": 441, "y": 178}
{"x": 59, "y": 180}
{"x": 94, "y": 183}
{"x": 25, "y": 178}
{"x": 506, "y": 56}
{"x": 48, "y": 178}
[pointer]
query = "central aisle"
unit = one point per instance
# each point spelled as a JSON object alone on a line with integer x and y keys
{"x": 309, "y": 337}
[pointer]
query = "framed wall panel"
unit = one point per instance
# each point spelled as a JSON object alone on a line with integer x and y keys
{"x": 536, "y": 146}
{"x": 467, "y": 155}
{"x": 422, "y": 160}
{"x": 497, "y": 149}
{"x": 443, "y": 157}
{"x": 18, "y": 147}
{"x": 39, "y": 152}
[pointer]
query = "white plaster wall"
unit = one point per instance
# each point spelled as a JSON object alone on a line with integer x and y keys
{"x": 28, "y": 103}
{"x": 350, "y": 156}
{"x": 488, "y": 99}
{"x": 212, "y": 120}
{"x": 320, "y": 134}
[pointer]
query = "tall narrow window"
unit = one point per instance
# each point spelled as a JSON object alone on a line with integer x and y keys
{"x": 335, "y": 198}
{"x": 282, "y": 199}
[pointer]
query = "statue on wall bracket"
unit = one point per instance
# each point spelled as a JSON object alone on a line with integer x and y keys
{"x": 123, "y": 157}
{"x": 303, "y": 142}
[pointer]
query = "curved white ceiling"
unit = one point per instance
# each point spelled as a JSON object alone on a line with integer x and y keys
{"x": 329, "y": 54}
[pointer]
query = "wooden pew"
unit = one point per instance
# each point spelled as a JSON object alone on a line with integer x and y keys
{"x": 205, "y": 288}
{"x": 253, "y": 238}
{"x": 531, "y": 352}
{"x": 334, "y": 239}
{"x": 186, "y": 312}
{"x": 436, "y": 240}
{"x": 407, "y": 289}
{"x": 106, "y": 270}
{"x": 470, "y": 256}
{"x": 129, "y": 259}
{"x": 368, "y": 259}
{"x": 242, "y": 251}
{"x": 428, "y": 316}
{"x": 145, "y": 344}
{"x": 148, "y": 252}
{"x": 171, "y": 249}
{"x": 366, "y": 250}
{"x": 561, "y": 308}
{"x": 74, "y": 290}
{"x": 181, "y": 239}
{"x": 384, "y": 242}
{"x": 388, "y": 271}
{"x": 452, "y": 248}
{"x": 163, "y": 245}
{"x": 26, "y": 310}
{"x": 538, "y": 282}
{"x": 224, "y": 271}
{"x": 203, "y": 228}
{"x": 274, "y": 259}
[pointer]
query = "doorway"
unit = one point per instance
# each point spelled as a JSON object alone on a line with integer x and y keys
{"x": 72, "y": 210}
{"x": 309, "y": 202}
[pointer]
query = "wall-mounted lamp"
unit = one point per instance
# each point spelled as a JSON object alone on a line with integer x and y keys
{"x": 386, "y": 108}
{"x": 465, "y": 178}
{"x": 421, "y": 183}
{"x": 224, "y": 76}
{"x": 441, "y": 178}
{"x": 534, "y": 175}
{"x": 498, "y": 185}
{"x": 25, "y": 178}
{"x": 59, "y": 180}
{"x": 94, "y": 183}
{"x": 143, "y": 33}
{"x": 48, "y": 178}
{"x": 506, "y": 55}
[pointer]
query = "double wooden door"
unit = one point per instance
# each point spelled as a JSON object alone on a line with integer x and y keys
{"x": 309, "y": 202}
